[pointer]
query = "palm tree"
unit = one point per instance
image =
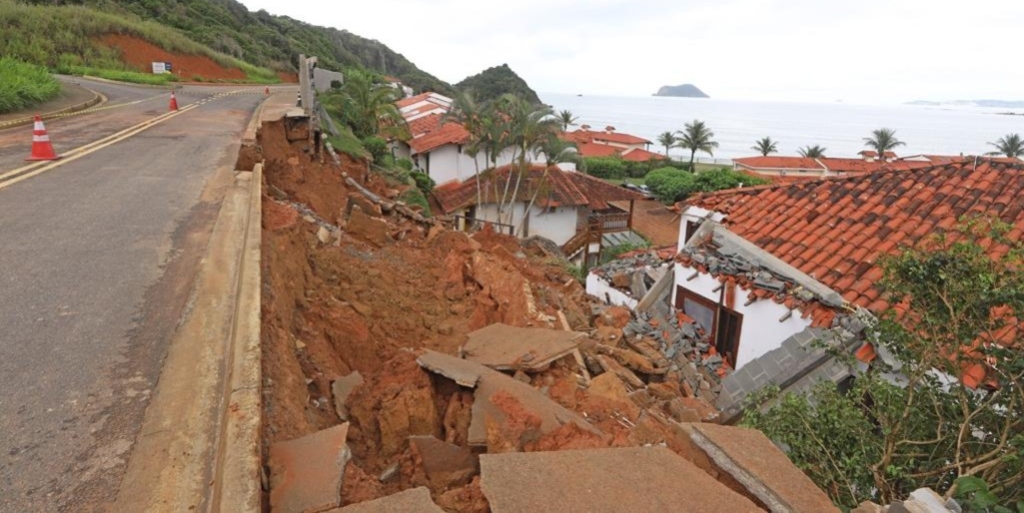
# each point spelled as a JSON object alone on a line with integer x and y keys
{"x": 469, "y": 114}
{"x": 527, "y": 127}
{"x": 1011, "y": 145}
{"x": 812, "y": 152}
{"x": 567, "y": 120}
{"x": 883, "y": 140}
{"x": 766, "y": 146}
{"x": 696, "y": 137}
{"x": 668, "y": 140}
{"x": 370, "y": 110}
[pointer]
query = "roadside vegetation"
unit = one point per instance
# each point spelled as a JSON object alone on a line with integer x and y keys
{"x": 23, "y": 85}
{"x": 62, "y": 39}
{"x": 908, "y": 420}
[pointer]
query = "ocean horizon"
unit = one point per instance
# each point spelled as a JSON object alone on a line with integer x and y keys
{"x": 839, "y": 127}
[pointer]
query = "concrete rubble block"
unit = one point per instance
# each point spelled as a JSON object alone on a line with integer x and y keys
{"x": 489, "y": 383}
{"x": 868, "y": 507}
{"x": 761, "y": 467}
{"x": 373, "y": 230}
{"x": 504, "y": 347}
{"x": 926, "y": 500}
{"x": 415, "y": 500}
{"x": 611, "y": 365}
{"x": 445, "y": 464}
{"x": 682, "y": 413}
{"x": 341, "y": 389}
{"x": 306, "y": 473}
{"x": 604, "y": 480}
{"x": 631, "y": 360}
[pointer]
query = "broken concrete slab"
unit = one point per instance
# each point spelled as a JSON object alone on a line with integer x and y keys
{"x": 503, "y": 347}
{"x": 445, "y": 464}
{"x": 306, "y": 473}
{"x": 758, "y": 464}
{"x": 341, "y": 389}
{"x": 604, "y": 480}
{"x": 415, "y": 500}
{"x": 489, "y": 382}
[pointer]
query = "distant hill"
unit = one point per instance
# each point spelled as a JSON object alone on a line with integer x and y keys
{"x": 999, "y": 104}
{"x": 681, "y": 91}
{"x": 494, "y": 82}
{"x": 262, "y": 39}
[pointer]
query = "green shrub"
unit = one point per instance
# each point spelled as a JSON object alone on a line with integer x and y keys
{"x": 413, "y": 196}
{"x": 423, "y": 181}
{"x": 606, "y": 167}
{"x": 671, "y": 184}
{"x": 404, "y": 163}
{"x": 377, "y": 147}
{"x": 23, "y": 85}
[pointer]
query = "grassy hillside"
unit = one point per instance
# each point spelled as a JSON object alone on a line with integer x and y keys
{"x": 62, "y": 38}
{"x": 24, "y": 85}
{"x": 267, "y": 40}
{"x": 494, "y": 82}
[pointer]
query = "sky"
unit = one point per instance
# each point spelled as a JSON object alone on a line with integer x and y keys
{"x": 858, "y": 51}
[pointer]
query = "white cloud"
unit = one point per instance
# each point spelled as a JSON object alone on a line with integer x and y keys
{"x": 807, "y": 50}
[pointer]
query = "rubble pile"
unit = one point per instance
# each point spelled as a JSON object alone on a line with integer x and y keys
{"x": 636, "y": 272}
{"x": 397, "y": 351}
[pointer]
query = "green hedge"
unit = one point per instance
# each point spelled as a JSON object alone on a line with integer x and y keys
{"x": 23, "y": 85}
{"x": 605, "y": 167}
{"x": 670, "y": 184}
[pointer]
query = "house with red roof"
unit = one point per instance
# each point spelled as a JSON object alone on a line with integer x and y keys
{"x": 810, "y": 168}
{"x": 574, "y": 210}
{"x": 609, "y": 143}
{"x": 766, "y": 271}
{"x": 438, "y": 146}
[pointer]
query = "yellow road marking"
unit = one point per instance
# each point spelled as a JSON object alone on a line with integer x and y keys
{"x": 87, "y": 149}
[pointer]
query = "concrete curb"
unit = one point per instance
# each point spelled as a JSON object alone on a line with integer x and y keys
{"x": 133, "y": 84}
{"x": 97, "y": 99}
{"x": 238, "y": 476}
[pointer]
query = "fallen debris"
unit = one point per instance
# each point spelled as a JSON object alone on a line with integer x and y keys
{"x": 306, "y": 473}
{"x": 341, "y": 389}
{"x": 627, "y": 479}
{"x": 508, "y": 348}
{"x": 415, "y": 500}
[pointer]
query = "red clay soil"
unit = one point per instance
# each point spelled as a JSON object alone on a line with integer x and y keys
{"x": 340, "y": 300}
{"x": 288, "y": 78}
{"x": 140, "y": 54}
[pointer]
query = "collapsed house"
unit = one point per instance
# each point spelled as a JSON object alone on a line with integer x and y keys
{"x": 775, "y": 274}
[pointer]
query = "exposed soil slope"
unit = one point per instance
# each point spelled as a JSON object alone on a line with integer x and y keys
{"x": 140, "y": 54}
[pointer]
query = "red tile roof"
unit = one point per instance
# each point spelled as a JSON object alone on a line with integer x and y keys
{"x": 448, "y": 133}
{"x": 554, "y": 188}
{"x": 776, "y": 163}
{"x": 584, "y": 135}
{"x": 874, "y": 154}
{"x": 589, "y": 149}
{"x": 600, "y": 193}
{"x": 412, "y": 100}
{"x": 641, "y": 155}
{"x": 836, "y": 229}
{"x": 422, "y": 126}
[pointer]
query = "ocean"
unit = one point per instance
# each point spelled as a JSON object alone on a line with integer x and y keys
{"x": 839, "y": 127}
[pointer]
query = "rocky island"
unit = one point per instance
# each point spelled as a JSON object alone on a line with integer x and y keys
{"x": 681, "y": 91}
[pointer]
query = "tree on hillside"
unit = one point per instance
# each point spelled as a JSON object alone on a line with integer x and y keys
{"x": 527, "y": 127}
{"x": 954, "y": 416}
{"x": 766, "y": 146}
{"x": 812, "y": 152}
{"x": 567, "y": 119}
{"x": 1010, "y": 145}
{"x": 668, "y": 140}
{"x": 369, "y": 110}
{"x": 883, "y": 140}
{"x": 470, "y": 115}
{"x": 696, "y": 136}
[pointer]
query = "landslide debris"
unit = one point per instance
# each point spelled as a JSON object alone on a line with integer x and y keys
{"x": 352, "y": 285}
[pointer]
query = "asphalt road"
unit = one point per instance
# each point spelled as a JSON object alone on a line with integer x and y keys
{"x": 97, "y": 258}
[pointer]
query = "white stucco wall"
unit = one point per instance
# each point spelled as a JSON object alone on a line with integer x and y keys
{"x": 601, "y": 289}
{"x": 400, "y": 150}
{"x": 761, "y": 331}
{"x": 559, "y": 226}
{"x": 448, "y": 164}
{"x": 695, "y": 214}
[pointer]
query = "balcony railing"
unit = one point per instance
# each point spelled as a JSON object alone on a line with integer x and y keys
{"x": 610, "y": 223}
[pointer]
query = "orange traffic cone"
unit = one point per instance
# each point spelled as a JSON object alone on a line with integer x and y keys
{"x": 266, "y": 90}
{"x": 174, "y": 102}
{"x": 41, "y": 147}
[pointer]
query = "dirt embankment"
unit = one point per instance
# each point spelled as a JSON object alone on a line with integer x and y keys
{"x": 348, "y": 287}
{"x": 140, "y": 54}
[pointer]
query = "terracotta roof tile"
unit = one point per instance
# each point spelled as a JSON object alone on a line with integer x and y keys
{"x": 836, "y": 229}
{"x": 448, "y": 133}
{"x": 612, "y": 137}
{"x": 553, "y": 188}
{"x": 641, "y": 155}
